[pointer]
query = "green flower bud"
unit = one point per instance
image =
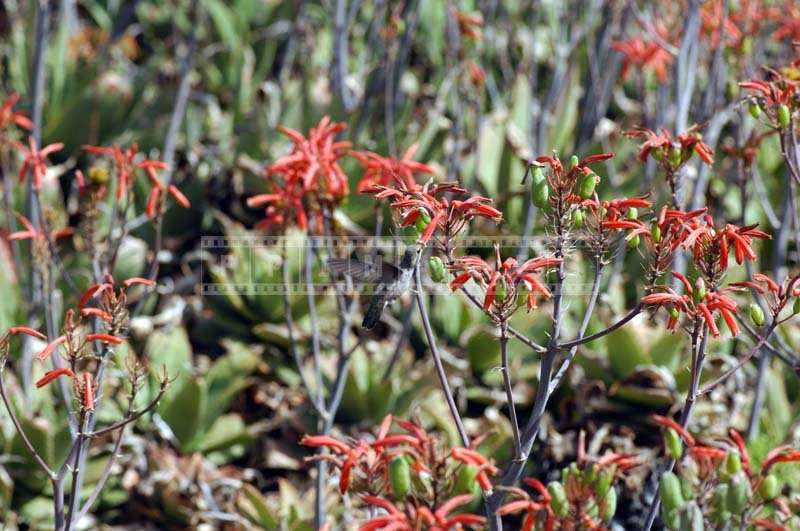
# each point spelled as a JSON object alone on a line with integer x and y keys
{"x": 466, "y": 479}
{"x": 500, "y": 291}
{"x": 540, "y": 194}
{"x": 633, "y": 243}
{"x": 422, "y": 221}
{"x": 699, "y": 290}
{"x": 590, "y": 474}
{"x": 436, "y": 269}
{"x": 796, "y": 306}
{"x": 674, "y": 312}
{"x": 655, "y": 232}
{"x": 578, "y": 218}
{"x": 609, "y": 505}
{"x": 754, "y": 109}
{"x": 671, "y": 496}
{"x": 604, "y": 480}
{"x": 675, "y": 156}
{"x": 770, "y": 488}
{"x": 573, "y": 161}
{"x": 687, "y": 489}
{"x": 736, "y": 499}
{"x": 719, "y": 503}
{"x": 692, "y": 518}
{"x": 671, "y": 519}
{"x": 586, "y": 185}
{"x": 559, "y": 501}
{"x": 747, "y": 46}
{"x": 632, "y": 213}
{"x": 756, "y": 314}
{"x": 733, "y": 464}
{"x": 672, "y": 440}
{"x": 400, "y": 477}
{"x": 784, "y": 116}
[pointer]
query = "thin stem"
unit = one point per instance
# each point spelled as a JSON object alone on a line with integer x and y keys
{"x": 747, "y": 357}
{"x": 437, "y": 359}
{"x": 24, "y": 436}
{"x": 512, "y": 411}
{"x": 98, "y": 488}
{"x": 312, "y": 317}
{"x": 636, "y": 310}
{"x": 698, "y": 357}
{"x": 170, "y": 142}
{"x": 316, "y": 399}
{"x": 587, "y": 315}
{"x": 132, "y": 418}
{"x": 529, "y": 434}
{"x": 77, "y": 464}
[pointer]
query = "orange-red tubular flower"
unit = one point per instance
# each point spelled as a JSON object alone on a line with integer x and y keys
{"x": 326, "y": 441}
{"x": 15, "y": 330}
{"x": 52, "y": 375}
{"x": 9, "y": 117}
{"x": 44, "y": 354}
{"x": 88, "y": 391}
{"x": 96, "y": 312}
{"x": 669, "y": 423}
{"x": 133, "y": 281}
{"x": 104, "y": 338}
{"x": 179, "y": 197}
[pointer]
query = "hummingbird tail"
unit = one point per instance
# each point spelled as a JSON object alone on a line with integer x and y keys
{"x": 374, "y": 312}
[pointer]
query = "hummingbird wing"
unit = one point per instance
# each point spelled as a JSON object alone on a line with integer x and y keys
{"x": 363, "y": 271}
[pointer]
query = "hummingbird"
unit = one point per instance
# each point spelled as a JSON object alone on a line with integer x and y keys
{"x": 391, "y": 281}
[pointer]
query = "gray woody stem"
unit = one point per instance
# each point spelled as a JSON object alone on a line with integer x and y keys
{"x": 437, "y": 359}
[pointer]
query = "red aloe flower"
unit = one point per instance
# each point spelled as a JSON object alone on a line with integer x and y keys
{"x": 642, "y": 54}
{"x": 104, "y": 338}
{"x": 96, "y": 312}
{"x": 35, "y": 160}
{"x": 285, "y": 202}
{"x": 717, "y": 27}
{"x": 448, "y": 216}
{"x": 507, "y": 273}
{"x": 383, "y": 171}
{"x": 88, "y": 391}
{"x": 32, "y": 233}
{"x": 15, "y": 330}
{"x": 8, "y": 117}
{"x": 743, "y": 454}
{"x": 526, "y": 504}
{"x": 778, "y": 90}
{"x": 782, "y": 454}
{"x": 440, "y": 518}
{"x": 313, "y": 162}
{"x": 395, "y": 520}
{"x": 108, "y": 286}
{"x": 126, "y": 165}
{"x": 49, "y": 376}
{"x": 788, "y": 19}
{"x": 469, "y": 25}
{"x": 660, "y": 144}
{"x": 137, "y": 281}
{"x": 353, "y": 452}
{"x": 53, "y": 345}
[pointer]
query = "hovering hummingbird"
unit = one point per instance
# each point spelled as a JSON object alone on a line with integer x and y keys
{"x": 392, "y": 281}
